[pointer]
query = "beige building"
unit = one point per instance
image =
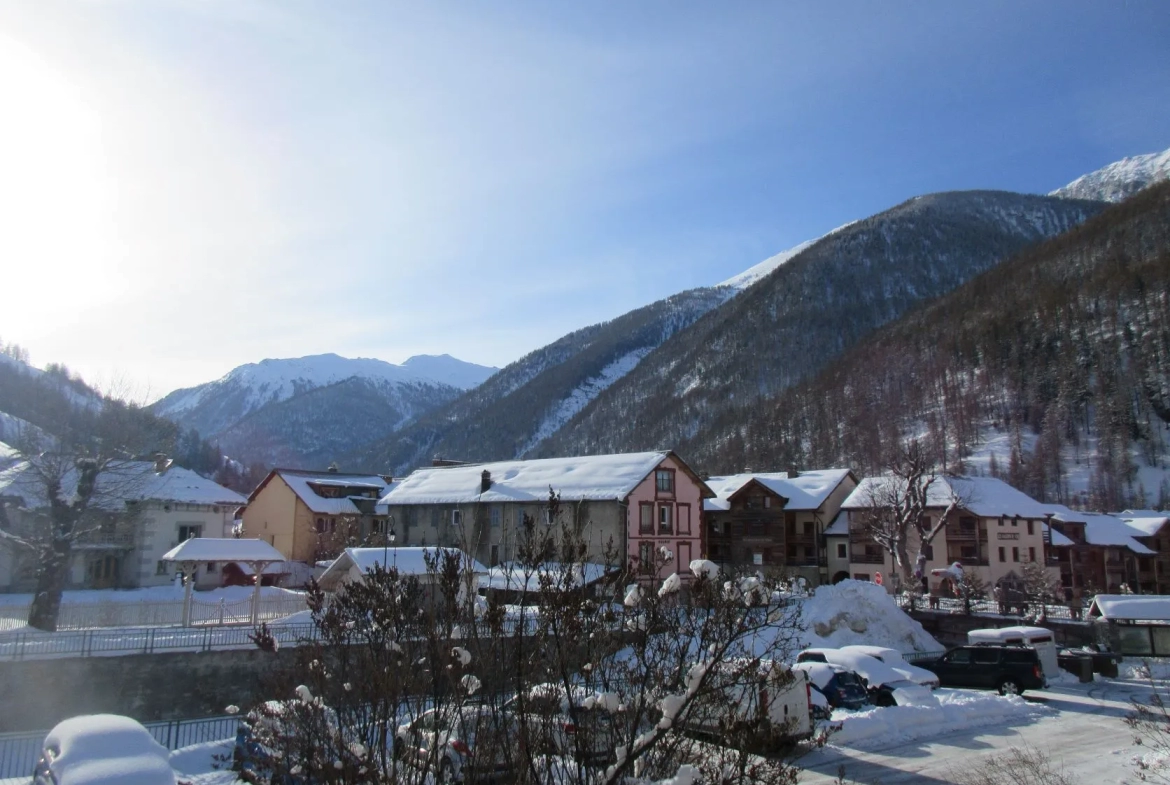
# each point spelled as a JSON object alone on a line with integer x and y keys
{"x": 993, "y": 529}
{"x": 295, "y": 510}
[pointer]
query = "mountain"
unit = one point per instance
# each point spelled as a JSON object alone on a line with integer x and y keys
{"x": 1120, "y": 179}
{"x": 1051, "y": 370}
{"x": 514, "y": 411}
{"x": 809, "y": 310}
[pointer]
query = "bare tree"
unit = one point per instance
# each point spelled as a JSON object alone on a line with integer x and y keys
{"x": 1041, "y": 587}
{"x": 1150, "y": 723}
{"x": 896, "y": 513}
{"x": 1014, "y": 766}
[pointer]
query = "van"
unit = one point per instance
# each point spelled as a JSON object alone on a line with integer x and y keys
{"x": 771, "y": 704}
{"x": 1036, "y": 638}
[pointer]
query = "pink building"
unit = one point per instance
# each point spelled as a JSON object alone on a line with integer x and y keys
{"x": 665, "y": 515}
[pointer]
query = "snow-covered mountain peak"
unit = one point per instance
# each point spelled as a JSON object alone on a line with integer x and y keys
{"x": 448, "y": 370}
{"x": 1120, "y": 179}
{"x": 765, "y": 268}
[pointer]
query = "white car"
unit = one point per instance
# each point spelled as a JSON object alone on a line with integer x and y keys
{"x": 103, "y": 749}
{"x": 884, "y": 683}
{"x": 894, "y": 659}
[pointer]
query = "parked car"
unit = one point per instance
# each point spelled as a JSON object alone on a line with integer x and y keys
{"x": 895, "y": 660}
{"x": 101, "y": 749}
{"x": 770, "y": 691}
{"x": 882, "y": 682}
{"x": 575, "y": 724}
{"x": 840, "y": 687}
{"x": 1009, "y": 668}
{"x": 465, "y": 744}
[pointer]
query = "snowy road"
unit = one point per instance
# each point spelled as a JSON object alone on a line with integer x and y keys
{"x": 1085, "y": 733}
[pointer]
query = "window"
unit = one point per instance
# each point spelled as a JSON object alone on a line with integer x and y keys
{"x": 495, "y": 556}
{"x": 809, "y": 530}
{"x": 767, "y": 502}
{"x": 684, "y": 519}
{"x": 646, "y": 518}
{"x": 1029, "y": 527}
{"x": 664, "y": 481}
{"x": 1031, "y": 553}
{"x": 842, "y": 551}
{"x": 646, "y": 557}
{"x": 496, "y": 516}
{"x": 758, "y": 558}
{"x": 548, "y": 517}
{"x": 211, "y": 568}
{"x": 519, "y": 517}
{"x": 665, "y": 519}
{"x": 928, "y": 552}
{"x": 456, "y": 517}
{"x": 1015, "y": 522}
{"x": 1015, "y": 554}
{"x": 1002, "y": 557}
{"x": 959, "y": 656}
{"x": 985, "y": 656}
{"x": 190, "y": 532}
{"x": 162, "y": 568}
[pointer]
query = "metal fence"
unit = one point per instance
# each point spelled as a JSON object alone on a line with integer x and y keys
{"x": 1013, "y": 610}
{"x": 100, "y": 643}
{"x": 19, "y": 752}
{"x": 78, "y": 616}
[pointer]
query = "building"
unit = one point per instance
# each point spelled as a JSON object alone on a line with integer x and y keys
{"x": 301, "y": 513}
{"x": 775, "y": 521}
{"x": 1103, "y": 553}
{"x": 627, "y": 508}
{"x": 140, "y": 510}
{"x": 1153, "y": 571}
{"x": 421, "y": 564}
{"x": 991, "y": 528}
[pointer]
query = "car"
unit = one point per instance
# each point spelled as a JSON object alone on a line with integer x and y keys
{"x": 767, "y": 698}
{"x": 895, "y": 660}
{"x": 883, "y": 683}
{"x": 102, "y": 749}
{"x": 1009, "y": 668}
{"x": 840, "y": 687}
{"x": 458, "y": 744}
{"x": 575, "y": 723}
{"x": 266, "y": 740}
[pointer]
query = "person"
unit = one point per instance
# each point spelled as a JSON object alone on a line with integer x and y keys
{"x": 934, "y": 592}
{"x": 1001, "y": 606}
{"x": 1075, "y": 605}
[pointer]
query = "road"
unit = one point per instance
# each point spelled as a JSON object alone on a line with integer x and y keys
{"x": 1085, "y": 733}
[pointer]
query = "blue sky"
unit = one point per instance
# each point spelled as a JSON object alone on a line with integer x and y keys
{"x": 203, "y": 183}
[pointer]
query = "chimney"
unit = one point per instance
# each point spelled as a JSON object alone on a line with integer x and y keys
{"x": 793, "y": 472}
{"x": 485, "y": 481}
{"x": 161, "y": 463}
{"x": 333, "y": 468}
{"x": 747, "y": 470}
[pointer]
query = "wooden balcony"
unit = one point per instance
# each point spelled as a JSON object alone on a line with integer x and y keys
{"x": 962, "y": 534}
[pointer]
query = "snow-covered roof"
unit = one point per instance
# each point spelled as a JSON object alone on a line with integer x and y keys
{"x": 589, "y": 477}
{"x": 517, "y": 577}
{"x": 1148, "y": 525}
{"x": 1131, "y": 607}
{"x": 1058, "y": 540}
{"x": 840, "y": 525}
{"x": 806, "y": 491}
{"x": 408, "y": 561}
{"x": 1105, "y": 530}
{"x": 201, "y": 549}
{"x": 992, "y": 634}
{"x": 301, "y": 483}
{"x": 122, "y": 482}
{"x": 986, "y": 497}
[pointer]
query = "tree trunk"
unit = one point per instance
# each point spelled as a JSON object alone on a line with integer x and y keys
{"x": 46, "y": 604}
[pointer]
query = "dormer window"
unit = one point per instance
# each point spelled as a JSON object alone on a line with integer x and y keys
{"x": 664, "y": 481}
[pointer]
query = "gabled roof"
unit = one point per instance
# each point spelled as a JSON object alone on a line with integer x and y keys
{"x": 840, "y": 525}
{"x": 588, "y": 478}
{"x": 227, "y": 549}
{"x": 1057, "y": 539}
{"x": 300, "y": 482}
{"x": 122, "y": 482}
{"x": 806, "y": 491}
{"x": 408, "y": 561}
{"x": 1131, "y": 607}
{"x": 986, "y": 497}
{"x": 1105, "y": 530}
{"x": 1148, "y": 522}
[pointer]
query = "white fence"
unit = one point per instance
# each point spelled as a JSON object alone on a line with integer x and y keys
{"x": 82, "y": 616}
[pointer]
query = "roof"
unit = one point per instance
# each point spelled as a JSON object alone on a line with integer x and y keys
{"x": 840, "y": 525}
{"x": 805, "y": 491}
{"x": 124, "y": 481}
{"x": 1131, "y": 607}
{"x": 1105, "y": 530}
{"x": 588, "y": 478}
{"x": 517, "y": 577}
{"x": 299, "y": 481}
{"x": 1057, "y": 539}
{"x": 1004, "y": 633}
{"x": 1147, "y": 525}
{"x": 408, "y": 561}
{"x": 202, "y": 549}
{"x": 986, "y": 497}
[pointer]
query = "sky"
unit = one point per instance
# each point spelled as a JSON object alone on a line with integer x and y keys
{"x": 189, "y": 185}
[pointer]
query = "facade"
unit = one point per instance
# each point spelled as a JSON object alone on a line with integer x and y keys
{"x": 775, "y": 522}
{"x": 991, "y": 528}
{"x": 1103, "y": 553}
{"x": 299, "y": 512}
{"x": 1153, "y": 532}
{"x": 141, "y": 510}
{"x": 625, "y": 507}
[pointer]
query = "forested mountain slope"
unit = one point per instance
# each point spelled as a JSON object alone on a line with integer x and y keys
{"x": 530, "y": 399}
{"x": 808, "y": 311}
{"x": 1065, "y": 349}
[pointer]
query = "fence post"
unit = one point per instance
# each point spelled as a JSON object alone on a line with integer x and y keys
{"x": 86, "y": 642}
{"x": 207, "y": 639}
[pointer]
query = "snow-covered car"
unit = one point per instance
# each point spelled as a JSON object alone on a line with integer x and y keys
{"x": 883, "y": 683}
{"x": 464, "y": 744}
{"x": 575, "y": 724}
{"x": 102, "y": 749}
{"x": 895, "y": 660}
{"x": 840, "y": 687}
{"x": 773, "y": 691}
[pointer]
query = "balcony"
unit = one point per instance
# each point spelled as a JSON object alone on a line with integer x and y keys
{"x": 868, "y": 558}
{"x": 962, "y": 533}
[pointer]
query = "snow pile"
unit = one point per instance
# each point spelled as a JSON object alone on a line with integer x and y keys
{"x": 945, "y": 711}
{"x": 859, "y": 612}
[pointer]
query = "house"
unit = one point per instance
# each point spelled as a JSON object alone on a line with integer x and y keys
{"x": 301, "y": 513}
{"x": 627, "y": 507}
{"x": 354, "y": 564}
{"x": 775, "y": 521}
{"x": 1153, "y": 571}
{"x": 140, "y": 510}
{"x": 1105, "y": 552}
{"x": 991, "y": 528}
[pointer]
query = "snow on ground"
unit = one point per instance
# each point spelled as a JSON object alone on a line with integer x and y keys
{"x": 205, "y": 764}
{"x": 168, "y": 593}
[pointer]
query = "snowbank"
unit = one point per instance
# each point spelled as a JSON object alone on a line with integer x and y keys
{"x": 945, "y": 711}
{"x": 859, "y": 612}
